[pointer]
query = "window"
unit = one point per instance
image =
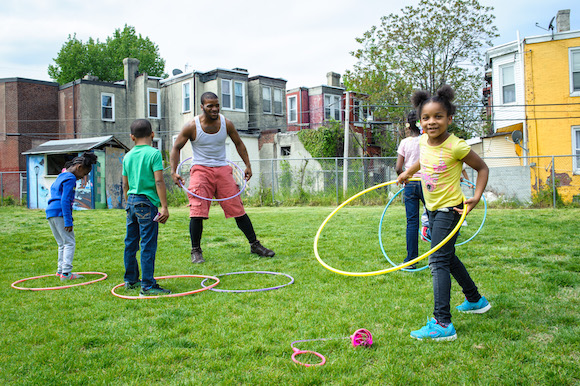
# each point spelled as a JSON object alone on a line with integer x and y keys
{"x": 157, "y": 143}
{"x": 108, "y": 107}
{"x": 239, "y": 95}
{"x": 186, "y": 95}
{"x": 284, "y": 150}
{"x": 278, "y": 101}
{"x": 292, "y": 109}
{"x": 576, "y": 148}
{"x": 508, "y": 84}
{"x": 226, "y": 94}
{"x": 266, "y": 100}
{"x": 55, "y": 163}
{"x": 153, "y": 103}
{"x": 332, "y": 107}
{"x": 575, "y": 71}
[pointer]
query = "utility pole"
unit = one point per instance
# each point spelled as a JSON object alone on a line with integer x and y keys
{"x": 346, "y": 144}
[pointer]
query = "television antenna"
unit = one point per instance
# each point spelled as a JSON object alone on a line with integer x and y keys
{"x": 517, "y": 137}
{"x": 550, "y": 26}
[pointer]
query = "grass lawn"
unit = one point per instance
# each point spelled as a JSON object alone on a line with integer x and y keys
{"x": 526, "y": 262}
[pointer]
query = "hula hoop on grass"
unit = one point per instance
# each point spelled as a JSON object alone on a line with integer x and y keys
{"x": 482, "y": 221}
{"x": 361, "y": 337}
{"x": 13, "y": 285}
{"x": 215, "y": 199}
{"x": 169, "y": 295}
{"x": 253, "y": 290}
{"x": 387, "y": 270}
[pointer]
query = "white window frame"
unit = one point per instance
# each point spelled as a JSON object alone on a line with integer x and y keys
{"x": 502, "y": 85}
{"x": 267, "y": 102}
{"x": 158, "y": 104}
{"x": 112, "y": 107}
{"x": 226, "y": 94}
{"x": 285, "y": 151}
{"x": 290, "y": 109}
{"x": 235, "y": 96}
{"x": 332, "y": 107}
{"x": 281, "y": 101}
{"x": 157, "y": 143}
{"x": 575, "y": 150}
{"x": 571, "y": 52}
{"x": 186, "y": 97}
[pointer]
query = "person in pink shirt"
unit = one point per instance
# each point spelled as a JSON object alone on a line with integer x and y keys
{"x": 408, "y": 154}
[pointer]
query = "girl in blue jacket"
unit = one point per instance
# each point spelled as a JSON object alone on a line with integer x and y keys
{"x": 59, "y": 211}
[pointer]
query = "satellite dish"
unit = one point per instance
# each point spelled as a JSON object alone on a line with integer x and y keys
{"x": 176, "y": 71}
{"x": 517, "y": 136}
{"x": 551, "y": 25}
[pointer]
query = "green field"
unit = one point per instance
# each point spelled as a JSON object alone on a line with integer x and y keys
{"x": 526, "y": 262}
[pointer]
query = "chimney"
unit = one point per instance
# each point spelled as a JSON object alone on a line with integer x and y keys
{"x": 333, "y": 79}
{"x": 563, "y": 20}
{"x": 131, "y": 67}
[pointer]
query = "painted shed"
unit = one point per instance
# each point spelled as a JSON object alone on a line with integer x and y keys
{"x": 102, "y": 188}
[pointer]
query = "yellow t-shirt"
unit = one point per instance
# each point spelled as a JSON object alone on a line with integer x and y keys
{"x": 441, "y": 171}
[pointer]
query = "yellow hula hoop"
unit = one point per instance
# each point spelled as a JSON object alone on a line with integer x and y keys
{"x": 392, "y": 269}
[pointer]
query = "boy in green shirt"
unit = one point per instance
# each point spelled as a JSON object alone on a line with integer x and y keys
{"x": 144, "y": 190}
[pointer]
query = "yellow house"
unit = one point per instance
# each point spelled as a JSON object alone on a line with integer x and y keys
{"x": 535, "y": 101}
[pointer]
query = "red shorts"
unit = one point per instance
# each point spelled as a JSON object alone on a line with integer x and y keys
{"x": 213, "y": 182}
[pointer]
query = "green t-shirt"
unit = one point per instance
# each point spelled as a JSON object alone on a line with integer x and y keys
{"x": 139, "y": 165}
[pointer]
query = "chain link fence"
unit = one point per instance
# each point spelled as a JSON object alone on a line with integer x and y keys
{"x": 12, "y": 188}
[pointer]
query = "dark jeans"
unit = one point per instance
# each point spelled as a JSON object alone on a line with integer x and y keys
{"x": 140, "y": 226}
{"x": 444, "y": 262}
{"x": 413, "y": 197}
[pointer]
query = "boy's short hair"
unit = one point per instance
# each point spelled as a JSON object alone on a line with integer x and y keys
{"x": 141, "y": 128}
{"x": 208, "y": 95}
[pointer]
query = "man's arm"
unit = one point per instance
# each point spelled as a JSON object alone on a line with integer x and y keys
{"x": 240, "y": 147}
{"x": 125, "y": 187}
{"x": 187, "y": 133}
{"x": 162, "y": 193}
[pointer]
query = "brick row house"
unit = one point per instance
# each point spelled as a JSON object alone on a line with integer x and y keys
{"x": 32, "y": 112}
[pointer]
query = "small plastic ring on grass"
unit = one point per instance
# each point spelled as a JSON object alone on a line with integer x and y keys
{"x": 298, "y": 352}
{"x": 382, "y": 271}
{"x": 215, "y": 199}
{"x": 169, "y": 295}
{"x": 257, "y": 289}
{"x": 13, "y": 285}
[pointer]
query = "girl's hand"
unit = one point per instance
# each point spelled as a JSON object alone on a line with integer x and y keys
{"x": 469, "y": 205}
{"x": 403, "y": 178}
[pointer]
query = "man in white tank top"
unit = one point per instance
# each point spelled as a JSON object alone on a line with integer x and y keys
{"x": 211, "y": 176}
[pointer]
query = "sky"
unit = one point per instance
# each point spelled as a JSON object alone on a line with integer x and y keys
{"x": 300, "y": 41}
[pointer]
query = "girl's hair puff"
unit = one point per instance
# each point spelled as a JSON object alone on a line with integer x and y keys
{"x": 443, "y": 96}
{"x": 412, "y": 122}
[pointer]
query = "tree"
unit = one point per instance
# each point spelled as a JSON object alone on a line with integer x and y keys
{"x": 105, "y": 60}
{"x": 437, "y": 42}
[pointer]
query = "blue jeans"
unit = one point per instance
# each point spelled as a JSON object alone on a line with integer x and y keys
{"x": 140, "y": 226}
{"x": 444, "y": 262}
{"x": 413, "y": 196}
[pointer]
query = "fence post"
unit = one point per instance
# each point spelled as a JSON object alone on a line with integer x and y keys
{"x": 272, "y": 188}
{"x": 336, "y": 178}
{"x": 1, "y": 188}
{"x": 553, "y": 183}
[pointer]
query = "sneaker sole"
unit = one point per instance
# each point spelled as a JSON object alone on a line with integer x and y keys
{"x": 439, "y": 339}
{"x": 477, "y": 311}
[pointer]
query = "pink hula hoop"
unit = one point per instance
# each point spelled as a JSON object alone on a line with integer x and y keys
{"x": 169, "y": 295}
{"x": 13, "y": 285}
{"x": 298, "y": 352}
{"x": 214, "y": 199}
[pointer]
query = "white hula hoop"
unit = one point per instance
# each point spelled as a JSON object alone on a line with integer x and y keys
{"x": 214, "y": 199}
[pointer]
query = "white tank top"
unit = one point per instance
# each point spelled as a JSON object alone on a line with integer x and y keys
{"x": 209, "y": 149}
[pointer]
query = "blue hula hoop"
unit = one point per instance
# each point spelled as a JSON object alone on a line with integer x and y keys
{"x": 461, "y": 243}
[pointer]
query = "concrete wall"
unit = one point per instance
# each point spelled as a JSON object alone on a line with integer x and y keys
{"x": 258, "y": 119}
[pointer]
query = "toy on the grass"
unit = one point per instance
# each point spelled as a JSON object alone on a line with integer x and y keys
{"x": 244, "y": 183}
{"x": 13, "y": 285}
{"x": 387, "y": 270}
{"x": 172, "y": 295}
{"x": 252, "y": 290}
{"x": 425, "y": 267}
{"x": 361, "y": 337}
{"x": 482, "y": 221}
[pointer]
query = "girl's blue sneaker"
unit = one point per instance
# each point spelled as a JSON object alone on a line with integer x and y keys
{"x": 434, "y": 331}
{"x": 479, "y": 307}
